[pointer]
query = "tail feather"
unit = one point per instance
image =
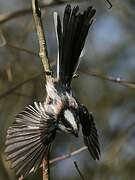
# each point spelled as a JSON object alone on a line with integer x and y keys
{"x": 72, "y": 39}
{"x": 55, "y": 24}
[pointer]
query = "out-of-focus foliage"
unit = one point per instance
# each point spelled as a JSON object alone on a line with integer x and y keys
{"x": 110, "y": 50}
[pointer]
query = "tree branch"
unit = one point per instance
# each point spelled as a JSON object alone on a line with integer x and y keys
{"x": 66, "y": 156}
{"x": 14, "y": 46}
{"x": 45, "y": 61}
{"x": 78, "y": 170}
{"x": 41, "y": 37}
{"x": 117, "y": 80}
{"x": 23, "y": 12}
{"x": 46, "y": 166}
{"x": 97, "y": 74}
{"x": 13, "y": 89}
{"x": 110, "y": 4}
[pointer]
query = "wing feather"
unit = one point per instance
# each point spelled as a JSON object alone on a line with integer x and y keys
{"x": 90, "y": 135}
{"x": 28, "y": 138}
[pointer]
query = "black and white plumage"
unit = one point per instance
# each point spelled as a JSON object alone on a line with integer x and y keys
{"x": 29, "y": 138}
{"x": 34, "y": 129}
{"x": 89, "y": 132}
{"x": 71, "y": 40}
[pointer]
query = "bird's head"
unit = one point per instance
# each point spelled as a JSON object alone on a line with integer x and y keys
{"x": 68, "y": 121}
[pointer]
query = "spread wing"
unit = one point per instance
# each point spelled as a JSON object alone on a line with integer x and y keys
{"x": 29, "y": 138}
{"x": 90, "y": 135}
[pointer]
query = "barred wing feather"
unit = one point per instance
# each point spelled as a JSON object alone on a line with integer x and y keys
{"x": 29, "y": 138}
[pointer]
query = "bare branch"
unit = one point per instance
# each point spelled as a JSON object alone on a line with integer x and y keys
{"x": 97, "y": 74}
{"x": 23, "y": 12}
{"x": 66, "y": 156}
{"x": 110, "y": 4}
{"x": 118, "y": 80}
{"x": 11, "y": 90}
{"x": 78, "y": 170}
{"x": 21, "y": 49}
{"x": 3, "y": 43}
{"x": 45, "y": 61}
{"x": 41, "y": 37}
{"x": 46, "y": 166}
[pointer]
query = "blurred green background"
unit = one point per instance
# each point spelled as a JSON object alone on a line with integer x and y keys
{"x": 109, "y": 53}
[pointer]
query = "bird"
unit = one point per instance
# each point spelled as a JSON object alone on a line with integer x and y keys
{"x": 29, "y": 138}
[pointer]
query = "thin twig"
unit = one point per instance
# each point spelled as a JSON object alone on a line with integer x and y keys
{"x": 4, "y": 43}
{"x": 41, "y": 37}
{"x": 66, "y": 156}
{"x": 110, "y": 4}
{"x": 48, "y": 73}
{"x": 46, "y": 166}
{"x": 125, "y": 83}
{"x": 13, "y": 89}
{"x": 78, "y": 170}
{"x": 22, "y": 49}
{"x": 118, "y": 80}
{"x": 23, "y": 12}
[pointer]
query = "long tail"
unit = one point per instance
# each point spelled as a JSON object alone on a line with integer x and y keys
{"x": 71, "y": 40}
